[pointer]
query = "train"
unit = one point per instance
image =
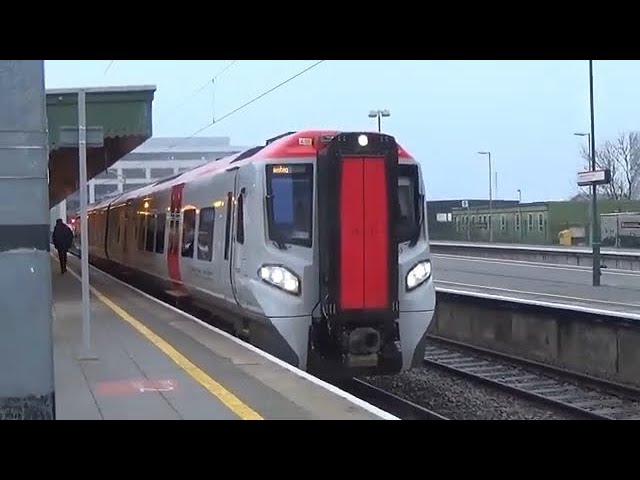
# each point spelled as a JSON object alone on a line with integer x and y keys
{"x": 313, "y": 247}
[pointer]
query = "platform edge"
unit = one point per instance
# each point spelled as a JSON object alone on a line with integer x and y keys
{"x": 327, "y": 386}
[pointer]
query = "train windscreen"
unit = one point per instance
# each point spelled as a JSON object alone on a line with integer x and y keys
{"x": 290, "y": 194}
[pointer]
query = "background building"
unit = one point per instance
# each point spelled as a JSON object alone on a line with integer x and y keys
{"x": 440, "y": 215}
{"x": 157, "y": 158}
{"x": 536, "y": 223}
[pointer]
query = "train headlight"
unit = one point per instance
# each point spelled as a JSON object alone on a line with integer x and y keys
{"x": 418, "y": 274}
{"x": 363, "y": 140}
{"x": 280, "y": 277}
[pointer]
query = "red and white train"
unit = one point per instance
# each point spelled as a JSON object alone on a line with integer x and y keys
{"x": 314, "y": 247}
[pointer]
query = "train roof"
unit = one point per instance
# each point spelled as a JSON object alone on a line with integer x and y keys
{"x": 300, "y": 144}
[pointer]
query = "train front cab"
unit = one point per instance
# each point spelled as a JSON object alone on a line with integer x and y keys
{"x": 376, "y": 295}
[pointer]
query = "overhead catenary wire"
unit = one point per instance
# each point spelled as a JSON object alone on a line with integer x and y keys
{"x": 255, "y": 99}
{"x": 202, "y": 87}
{"x": 108, "y": 66}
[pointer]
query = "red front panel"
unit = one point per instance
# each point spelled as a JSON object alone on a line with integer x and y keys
{"x": 351, "y": 234}
{"x": 364, "y": 234}
{"x": 376, "y": 228}
{"x": 173, "y": 251}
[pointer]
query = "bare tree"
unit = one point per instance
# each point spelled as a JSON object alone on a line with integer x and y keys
{"x": 622, "y": 157}
{"x": 579, "y": 197}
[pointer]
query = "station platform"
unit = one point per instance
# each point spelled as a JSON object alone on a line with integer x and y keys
{"x": 151, "y": 361}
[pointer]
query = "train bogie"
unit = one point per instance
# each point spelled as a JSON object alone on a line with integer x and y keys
{"x": 303, "y": 256}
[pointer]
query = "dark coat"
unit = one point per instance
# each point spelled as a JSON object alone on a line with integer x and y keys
{"x": 62, "y": 237}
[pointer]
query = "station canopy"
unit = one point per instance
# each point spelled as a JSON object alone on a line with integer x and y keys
{"x": 119, "y": 119}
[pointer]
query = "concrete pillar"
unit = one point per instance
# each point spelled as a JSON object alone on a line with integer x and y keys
{"x": 26, "y": 347}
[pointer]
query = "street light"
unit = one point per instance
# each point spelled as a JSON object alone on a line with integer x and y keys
{"x": 490, "y": 198}
{"x": 379, "y": 114}
{"x": 588, "y": 135}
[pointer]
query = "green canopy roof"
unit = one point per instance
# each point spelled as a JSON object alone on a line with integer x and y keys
{"x": 120, "y": 118}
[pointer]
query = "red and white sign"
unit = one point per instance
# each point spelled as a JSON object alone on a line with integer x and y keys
{"x": 594, "y": 177}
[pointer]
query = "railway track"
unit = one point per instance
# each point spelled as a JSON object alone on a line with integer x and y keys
{"x": 591, "y": 398}
{"x": 401, "y": 408}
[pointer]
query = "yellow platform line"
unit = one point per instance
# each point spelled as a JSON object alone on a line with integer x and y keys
{"x": 232, "y": 402}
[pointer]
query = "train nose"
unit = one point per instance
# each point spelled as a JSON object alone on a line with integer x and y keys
{"x": 364, "y": 341}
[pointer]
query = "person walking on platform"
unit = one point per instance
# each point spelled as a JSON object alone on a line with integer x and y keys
{"x": 62, "y": 239}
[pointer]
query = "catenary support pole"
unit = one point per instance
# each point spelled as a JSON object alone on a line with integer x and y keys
{"x": 84, "y": 227}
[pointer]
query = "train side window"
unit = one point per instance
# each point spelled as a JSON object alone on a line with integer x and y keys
{"x": 240, "y": 218}
{"x": 205, "y": 234}
{"x": 408, "y": 202}
{"x": 188, "y": 232}
{"x": 151, "y": 233}
{"x": 160, "y": 228}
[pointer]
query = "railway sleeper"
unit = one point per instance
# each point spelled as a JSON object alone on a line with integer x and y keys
{"x": 594, "y": 403}
{"x": 446, "y": 357}
{"x": 521, "y": 381}
{"x": 465, "y": 363}
{"x": 484, "y": 369}
{"x": 508, "y": 375}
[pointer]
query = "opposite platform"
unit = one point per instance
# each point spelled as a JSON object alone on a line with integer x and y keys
{"x": 154, "y": 362}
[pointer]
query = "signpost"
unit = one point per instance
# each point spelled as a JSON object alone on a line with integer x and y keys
{"x": 593, "y": 178}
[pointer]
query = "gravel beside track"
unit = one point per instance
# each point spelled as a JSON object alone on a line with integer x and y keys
{"x": 463, "y": 399}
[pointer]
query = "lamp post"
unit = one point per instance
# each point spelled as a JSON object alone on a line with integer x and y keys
{"x": 588, "y": 135}
{"x": 379, "y": 114}
{"x": 490, "y": 226}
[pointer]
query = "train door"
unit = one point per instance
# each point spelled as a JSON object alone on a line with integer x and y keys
{"x": 231, "y": 180}
{"x": 357, "y": 234}
{"x": 128, "y": 214}
{"x": 173, "y": 250}
{"x": 223, "y": 232}
{"x": 239, "y": 273}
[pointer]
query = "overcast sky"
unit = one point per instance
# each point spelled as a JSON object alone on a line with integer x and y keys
{"x": 443, "y": 112}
